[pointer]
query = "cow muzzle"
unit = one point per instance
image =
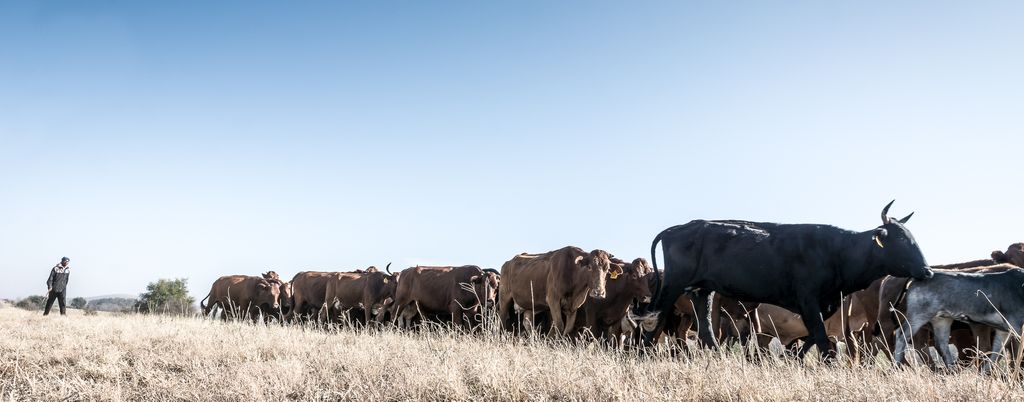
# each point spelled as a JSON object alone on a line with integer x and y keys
{"x": 597, "y": 294}
{"x": 646, "y": 299}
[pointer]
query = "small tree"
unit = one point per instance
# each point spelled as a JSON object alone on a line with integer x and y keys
{"x": 79, "y": 302}
{"x": 32, "y": 303}
{"x": 166, "y": 296}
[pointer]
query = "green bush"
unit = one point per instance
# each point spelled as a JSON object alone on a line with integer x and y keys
{"x": 79, "y": 302}
{"x": 33, "y": 303}
{"x": 166, "y": 296}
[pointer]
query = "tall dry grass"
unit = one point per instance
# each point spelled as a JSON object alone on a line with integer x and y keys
{"x": 153, "y": 358}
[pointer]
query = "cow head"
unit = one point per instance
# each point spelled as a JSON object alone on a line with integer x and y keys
{"x": 597, "y": 265}
{"x": 285, "y": 289}
{"x": 896, "y": 250}
{"x": 267, "y": 293}
{"x": 637, "y": 277}
{"x": 648, "y": 278}
{"x": 486, "y": 287}
{"x": 1013, "y": 255}
{"x": 271, "y": 276}
{"x": 387, "y": 294}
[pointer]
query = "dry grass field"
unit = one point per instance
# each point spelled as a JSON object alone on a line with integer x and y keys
{"x": 153, "y": 358}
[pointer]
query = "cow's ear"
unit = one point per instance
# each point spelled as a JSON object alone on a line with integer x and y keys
{"x": 582, "y": 261}
{"x": 263, "y": 285}
{"x": 476, "y": 279}
{"x": 615, "y": 271}
{"x": 999, "y": 257}
{"x": 880, "y": 234}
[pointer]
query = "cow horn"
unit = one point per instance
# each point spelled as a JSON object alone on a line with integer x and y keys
{"x": 906, "y": 218}
{"x": 388, "y": 269}
{"x": 885, "y": 212}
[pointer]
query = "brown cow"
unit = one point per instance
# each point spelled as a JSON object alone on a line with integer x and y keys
{"x": 1014, "y": 254}
{"x": 893, "y": 308}
{"x": 557, "y": 281}
{"x": 370, "y": 290}
{"x": 308, "y": 290}
{"x": 778, "y": 322}
{"x": 240, "y": 294}
{"x": 285, "y": 289}
{"x": 436, "y": 290}
{"x": 603, "y": 317}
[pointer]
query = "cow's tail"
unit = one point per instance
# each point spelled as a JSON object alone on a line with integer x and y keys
{"x": 657, "y": 274}
{"x": 201, "y": 305}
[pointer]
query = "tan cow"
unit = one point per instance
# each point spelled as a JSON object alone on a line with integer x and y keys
{"x": 851, "y": 324}
{"x": 436, "y": 290}
{"x": 788, "y": 327}
{"x": 243, "y": 295}
{"x": 557, "y": 281}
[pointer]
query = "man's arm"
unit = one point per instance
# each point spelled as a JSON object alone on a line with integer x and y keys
{"x": 49, "y": 279}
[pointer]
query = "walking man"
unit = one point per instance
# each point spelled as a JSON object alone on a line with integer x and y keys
{"x": 57, "y": 284}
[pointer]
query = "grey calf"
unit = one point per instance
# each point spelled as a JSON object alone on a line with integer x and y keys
{"x": 992, "y": 299}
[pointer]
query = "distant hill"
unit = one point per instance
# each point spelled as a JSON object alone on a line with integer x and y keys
{"x": 112, "y": 303}
{"x": 115, "y": 296}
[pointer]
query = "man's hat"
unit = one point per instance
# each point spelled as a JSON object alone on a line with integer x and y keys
{"x": 65, "y": 259}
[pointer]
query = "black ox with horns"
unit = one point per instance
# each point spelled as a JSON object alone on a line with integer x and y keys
{"x": 805, "y": 268}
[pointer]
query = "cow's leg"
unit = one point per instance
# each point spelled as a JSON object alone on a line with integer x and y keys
{"x": 702, "y": 301}
{"x": 570, "y": 322}
{"x": 557, "y": 320}
{"x": 940, "y": 335}
{"x": 298, "y": 308}
{"x": 408, "y": 315}
{"x": 457, "y": 313}
{"x": 982, "y": 335}
{"x": 613, "y": 333}
{"x": 529, "y": 322}
{"x": 997, "y": 349}
{"x": 368, "y": 312}
{"x": 907, "y": 329}
{"x": 590, "y": 322}
{"x": 397, "y": 312}
{"x": 811, "y": 316}
{"x": 686, "y": 322}
{"x": 505, "y": 310}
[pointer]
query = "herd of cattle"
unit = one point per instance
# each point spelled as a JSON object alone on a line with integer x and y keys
{"x": 727, "y": 281}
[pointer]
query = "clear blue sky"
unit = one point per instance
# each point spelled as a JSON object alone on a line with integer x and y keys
{"x": 169, "y": 139}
